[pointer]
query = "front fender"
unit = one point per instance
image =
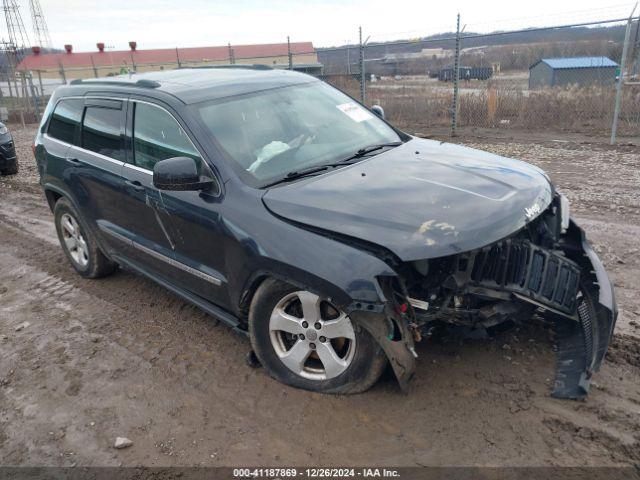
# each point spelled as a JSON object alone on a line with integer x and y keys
{"x": 262, "y": 246}
{"x": 355, "y": 280}
{"x": 365, "y": 297}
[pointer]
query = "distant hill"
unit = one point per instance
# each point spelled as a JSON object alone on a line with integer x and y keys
{"x": 561, "y": 42}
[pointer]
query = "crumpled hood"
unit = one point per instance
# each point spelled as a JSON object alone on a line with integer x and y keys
{"x": 423, "y": 199}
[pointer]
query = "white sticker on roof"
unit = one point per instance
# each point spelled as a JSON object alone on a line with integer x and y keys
{"x": 355, "y": 112}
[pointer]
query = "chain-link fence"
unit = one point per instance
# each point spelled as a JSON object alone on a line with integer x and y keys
{"x": 554, "y": 79}
{"x": 20, "y": 98}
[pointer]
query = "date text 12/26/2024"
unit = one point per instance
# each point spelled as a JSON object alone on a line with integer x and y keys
{"x": 241, "y": 473}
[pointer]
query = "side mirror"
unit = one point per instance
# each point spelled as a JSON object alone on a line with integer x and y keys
{"x": 178, "y": 173}
{"x": 378, "y": 110}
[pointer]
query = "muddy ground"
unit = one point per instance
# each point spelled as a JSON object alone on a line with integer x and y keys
{"x": 85, "y": 361}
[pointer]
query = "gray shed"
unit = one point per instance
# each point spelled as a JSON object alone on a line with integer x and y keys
{"x": 552, "y": 72}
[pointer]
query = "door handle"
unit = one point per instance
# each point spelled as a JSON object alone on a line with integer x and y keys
{"x": 73, "y": 160}
{"x": 135, "y": 184}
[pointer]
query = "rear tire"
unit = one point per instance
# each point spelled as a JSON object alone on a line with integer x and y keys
{"x": 79, "y": 243}
{"x": 356, "y": 365}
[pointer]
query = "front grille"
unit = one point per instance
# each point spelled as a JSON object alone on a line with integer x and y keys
{"x": 521, "y": 267}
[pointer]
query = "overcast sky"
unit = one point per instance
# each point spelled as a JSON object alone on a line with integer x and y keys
{"x": 187, "y": 23}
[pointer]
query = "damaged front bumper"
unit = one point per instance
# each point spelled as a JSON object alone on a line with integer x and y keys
{"x": 582, "y": 343}
{"x": 565, "y": 282}
{"x": 394, "y": 336}
{"x": 390, "y": 325}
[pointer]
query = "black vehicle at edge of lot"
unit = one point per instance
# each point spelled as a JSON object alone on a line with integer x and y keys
{"x": 303, "y": 219}
{"x": 8, "y": 158}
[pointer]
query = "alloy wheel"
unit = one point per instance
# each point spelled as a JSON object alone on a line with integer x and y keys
{"x": 74, "y": 241}
{"x": 312, "y": 337}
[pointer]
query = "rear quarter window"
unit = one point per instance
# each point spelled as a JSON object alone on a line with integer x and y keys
{"x": 65, "y": 119}
{"x": 103, "y": 132}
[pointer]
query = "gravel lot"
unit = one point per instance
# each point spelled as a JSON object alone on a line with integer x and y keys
{"x": 85, "y": 361}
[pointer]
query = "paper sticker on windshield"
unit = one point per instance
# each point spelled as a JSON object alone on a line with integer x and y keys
{"x": 355, "y": 112}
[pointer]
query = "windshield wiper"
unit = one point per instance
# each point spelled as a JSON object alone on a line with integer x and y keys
{"x": 300, "y": 173}
{"x": 295, "y": 174}
{"x": 367, "y": 150}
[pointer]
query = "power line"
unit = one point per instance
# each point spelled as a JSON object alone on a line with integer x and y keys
{"x": 619, "y": 9}
{"x": 486, "y": 35}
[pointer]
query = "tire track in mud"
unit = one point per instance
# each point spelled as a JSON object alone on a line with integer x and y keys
{"x": 127, "y": 291}
{"x": 54, "y": 288}
{"x": 175, "y": 358}
{"x": 142, "y": 315}
{"x": 624, "y": 349}
{"x": 578, "y": 435}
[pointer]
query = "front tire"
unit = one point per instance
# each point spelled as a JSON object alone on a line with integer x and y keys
{"x": 78, "y": 242}
{"x": 304, "y": 341}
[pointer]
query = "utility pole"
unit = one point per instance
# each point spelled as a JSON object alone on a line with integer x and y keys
{"x": 40, "y": 83}
{"x": 34, "y": 94}
{"x": 289, "y": 53}
{"x": 62, "y": 74}
{"x": 362, "y": 74}
{"x": 456, "y": 80}
{"x": 93, "y": 65}
{"x": 232, "y": 57}
{"x": 636, "y": 66}
{"x": 623, "y": 65}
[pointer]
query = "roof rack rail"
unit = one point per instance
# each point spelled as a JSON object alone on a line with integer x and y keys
{"x": 144, "y": 83}
{"x": 247, "y": 66}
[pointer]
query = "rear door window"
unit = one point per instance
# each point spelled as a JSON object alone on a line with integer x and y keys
{"x": 103, "y": 131}
{"x": 65, "y": 120}
{"x": 158, "y": 136}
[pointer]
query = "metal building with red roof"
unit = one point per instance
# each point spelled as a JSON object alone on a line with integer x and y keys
{"x": 105, "y": 62}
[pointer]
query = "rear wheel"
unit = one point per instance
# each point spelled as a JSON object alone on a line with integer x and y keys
{"x": 78, "y": 242}
{"x": 305, "y": 341}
